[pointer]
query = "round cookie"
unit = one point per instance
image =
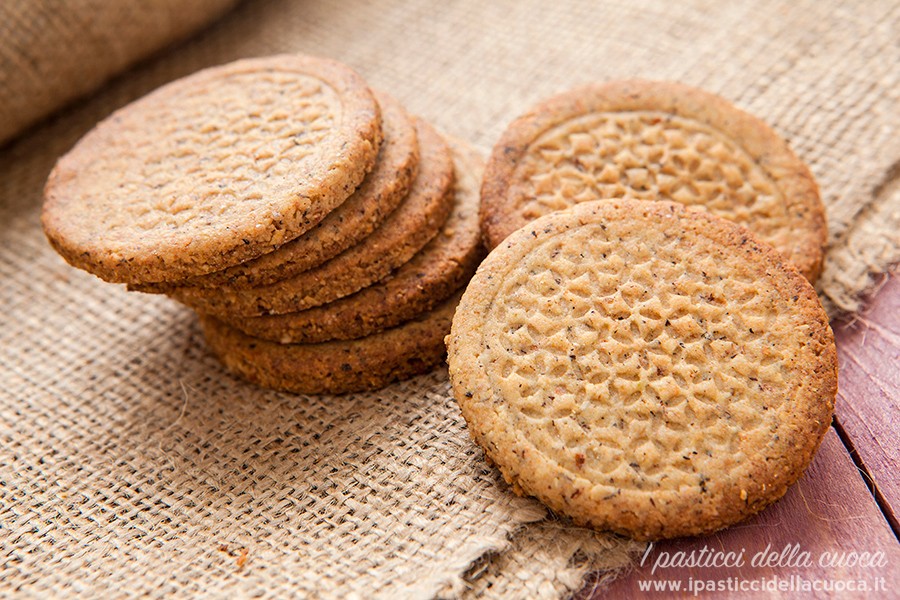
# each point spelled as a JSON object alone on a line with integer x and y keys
{"x": 654, "y": 140}
{"x": 380, "y": 193}
{"x": 335, "y": 367}
{"x": 643, "y": 368}
{"x": 403, "y": 233}
{"x": 212, "y": 170}
{"x": 435, "y": 272}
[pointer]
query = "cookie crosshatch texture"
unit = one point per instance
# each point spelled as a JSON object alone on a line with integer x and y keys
{"x": 406, "y": 230}
{"x": 436, "y": 271}
{"x": 643, "y": 368}
{"x": 213, "y": 169}
{"x": 654, "y": 141}
{"x": 373, "y": 201}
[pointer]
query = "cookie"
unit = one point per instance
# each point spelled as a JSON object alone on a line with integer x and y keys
{"x": 403, "y": 233}
{"x": 643, "y": 368}
{"x": 656, "y": 141}
{"x": 335, "y": 367}
{"x": 212, "y": 170}
{"x": 380, "y": 193}
{"x": 440, "y": 268}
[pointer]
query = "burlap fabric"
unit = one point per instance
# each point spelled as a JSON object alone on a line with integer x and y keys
{"x": 52, "y": 51}
{"x": 132, "y": 464}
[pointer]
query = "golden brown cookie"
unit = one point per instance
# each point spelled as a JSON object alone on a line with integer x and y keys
{"x": 643, "y": 368}
{"x": 213, "y": 169}
{"x": 403, "y": 233}
{"x": 654, "y": 140}
{"x": 435, "y": 272}
{"x": 335, "y": 367}
{"x": 380, "y": 193}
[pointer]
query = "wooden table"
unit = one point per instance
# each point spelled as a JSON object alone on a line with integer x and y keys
{"x": 848, "y": 501}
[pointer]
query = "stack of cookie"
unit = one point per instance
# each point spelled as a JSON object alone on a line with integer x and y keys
{"x": 321, "y": 232}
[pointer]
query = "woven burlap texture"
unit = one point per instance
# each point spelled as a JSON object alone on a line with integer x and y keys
{"x": 52, "y": 52}
{"x": 131, "y": 463}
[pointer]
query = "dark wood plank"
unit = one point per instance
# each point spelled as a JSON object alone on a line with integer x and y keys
{"x": 868, "y": 404}
{"x": 830, "y": 510}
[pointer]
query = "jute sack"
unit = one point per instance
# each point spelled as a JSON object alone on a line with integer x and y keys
{"x": 53, "y": 52}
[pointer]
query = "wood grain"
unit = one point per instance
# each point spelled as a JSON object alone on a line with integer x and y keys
{"x": 829, "y": 510}
{"x": 868, "y": 404}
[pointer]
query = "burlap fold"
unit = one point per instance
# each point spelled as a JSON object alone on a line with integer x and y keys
{"x": 52, "y": 52}
{"x": 132, "y": 464}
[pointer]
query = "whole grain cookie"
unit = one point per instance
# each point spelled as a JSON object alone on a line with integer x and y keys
{"x": 435, "y": 272}
{"x": 403, "y": 233}
{"x": 213, "y": 169}
{"x": 335, "y": 367}
{"x": 654, "y": 140}
{"x": 643, "y": 368}
{"x": 380, "y": 193}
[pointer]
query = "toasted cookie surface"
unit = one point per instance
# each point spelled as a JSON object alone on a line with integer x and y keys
{"x": 643, "y": 368}
{"x": 654, "y": 140}
{"x": 380, "y": 193}
{"x": 435, "y": 272}
{"x": 371, "y": 362}
{"x": 407, "y": 229}
{"x": 213, "y": 169}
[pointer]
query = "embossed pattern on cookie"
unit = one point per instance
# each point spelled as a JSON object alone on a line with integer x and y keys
{"x": 386, "y": 185}
{"x": 213, "y": 169}
{"x": 643, "y": 368}
{"x": 653, "y": 140}
{"x": 436, "y": 271}
{"x": 406, "y": 230}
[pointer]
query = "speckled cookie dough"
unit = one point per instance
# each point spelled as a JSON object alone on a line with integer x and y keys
{"x": 643, "y": 368}
{"x": 654, "y": 141}
{"x": 440, "y": 268}
{"x": 339, "y": 367}
{"x": 212, "y": 170}
{"x": 416, "y": 221}
{"x": 380, "y": 193}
